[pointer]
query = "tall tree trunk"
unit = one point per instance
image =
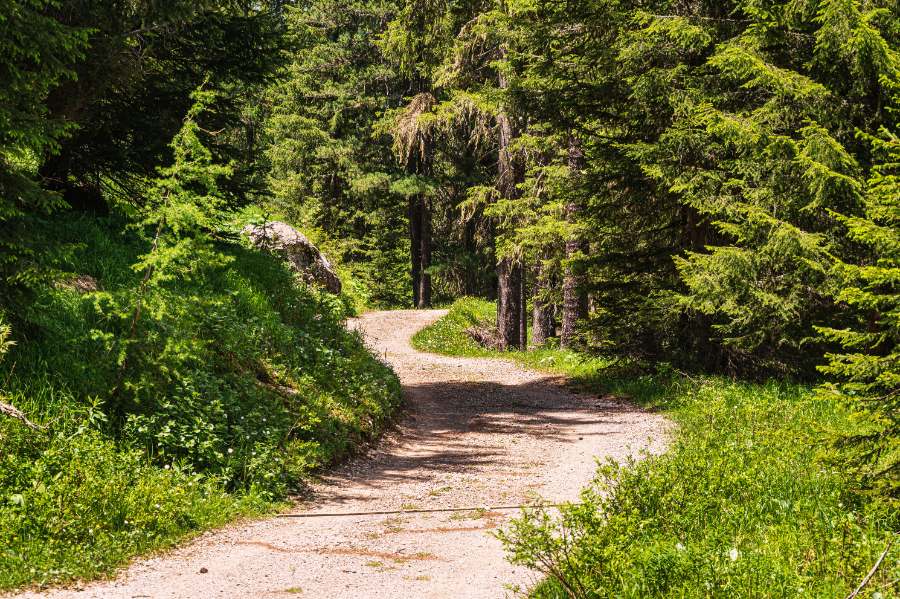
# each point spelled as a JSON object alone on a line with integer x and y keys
{"x": 574, "y": 296}
{"x": 424, "y": 294}
{"x": 542, "y": 312}
{"x": 415, "y": 247}
{"x": 510, "y": 305}
{"x": 523, "y": 307}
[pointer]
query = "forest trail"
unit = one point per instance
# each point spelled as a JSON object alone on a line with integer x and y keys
{"x": 477, "y": 432}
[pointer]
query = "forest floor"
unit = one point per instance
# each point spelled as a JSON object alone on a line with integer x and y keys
{"x": 477, "y": 432}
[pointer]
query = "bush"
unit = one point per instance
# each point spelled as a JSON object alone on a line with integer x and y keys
{"x": 741, "y": 505}
{"x": 238, "y": 384}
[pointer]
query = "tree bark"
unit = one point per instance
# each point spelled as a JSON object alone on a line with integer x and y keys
{"x": 574, "y": 297}
{"x": 415, "y": 247}
{"x": 510, "y": 289}
{"x": 509, "y": 306}
{"x": 523, "y": 307}
{"x": 542, "y": 312}
{"x": 424, "y": 294}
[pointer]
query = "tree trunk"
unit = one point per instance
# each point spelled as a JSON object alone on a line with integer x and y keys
{"x": 574, "y": 296}
{"x": 424, "y": 294}
{"x": 523, "y": 307}
{"x": 510, "y": 290}
{"x": 542, "y": 312}
{"x": 509, "y": 306}
{"x": 415, "y": 247}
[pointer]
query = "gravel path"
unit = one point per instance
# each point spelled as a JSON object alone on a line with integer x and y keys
{"x": 478, "y": 432}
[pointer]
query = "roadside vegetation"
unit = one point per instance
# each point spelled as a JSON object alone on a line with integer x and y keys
{"x": 238, "y": 384}
{"x": 751, "y": 499}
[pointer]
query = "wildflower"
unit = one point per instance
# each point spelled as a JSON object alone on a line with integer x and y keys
{"x": 733, "y": 554}
{"x": 679, "y": 546}
{"x": 230, "y": 450}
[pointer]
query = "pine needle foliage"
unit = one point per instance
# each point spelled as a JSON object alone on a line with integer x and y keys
{"x": 866, "y": 373}
{"x": 37, "y": 53}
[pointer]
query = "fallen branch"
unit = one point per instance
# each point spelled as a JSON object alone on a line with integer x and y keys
{"x": 13, "y": 412}
{"x": 871, "y": 573}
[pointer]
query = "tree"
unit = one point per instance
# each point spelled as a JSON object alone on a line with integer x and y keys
{"x": 333, "y": 166}
{"x": 574, "y": 307}
{"x": 37, "y": 53}
{"x": 142, "y": 62}
{"x": 866, "y": 375}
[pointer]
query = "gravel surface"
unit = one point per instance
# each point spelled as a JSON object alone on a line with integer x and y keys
{"x": 477, "y": 433}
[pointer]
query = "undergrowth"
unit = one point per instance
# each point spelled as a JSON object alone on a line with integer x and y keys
{"x": 239, "y": 383}
{"x": 750, "y": 500}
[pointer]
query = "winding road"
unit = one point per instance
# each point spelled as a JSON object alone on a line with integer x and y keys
{"x": 477, "y": 433}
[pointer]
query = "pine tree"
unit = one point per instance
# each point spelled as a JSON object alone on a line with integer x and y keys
{"x": 185, "y": 208}
{"x": 867, "y": 373}
{"x": 333, "y": 166}
{"x": 36, "y": 54}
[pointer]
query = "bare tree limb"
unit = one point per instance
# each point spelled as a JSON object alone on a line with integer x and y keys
{"x": 874, "y": 569}
{"x": 13, "y": 412}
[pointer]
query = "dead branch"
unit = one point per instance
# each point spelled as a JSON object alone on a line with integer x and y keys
{"x": 13, "y": 412}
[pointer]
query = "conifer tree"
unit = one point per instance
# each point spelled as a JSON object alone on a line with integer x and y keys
{"x": 333, "y": 167}
{"x": 37, "y": 53}
{"x": 866, "y": 374}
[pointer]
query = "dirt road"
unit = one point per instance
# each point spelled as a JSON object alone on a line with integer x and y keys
{"x": 478, "y": 432}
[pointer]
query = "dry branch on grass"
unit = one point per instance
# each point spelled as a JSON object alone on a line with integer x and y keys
{"x": 13, "y": 412}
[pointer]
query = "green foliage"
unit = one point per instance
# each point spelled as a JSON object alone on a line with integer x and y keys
{"x": 245, "y": 383}
{"x": 740, "y": 505}
{"x": 36, "y": 54}
{"x": 141, "y": 64}
{"x": 448, "y": 335}
{"x": 75, "y": 505}
{"x": 332, "y": 168}
{"x": 867, "y": 373}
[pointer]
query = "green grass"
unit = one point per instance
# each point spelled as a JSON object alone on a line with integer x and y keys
{"x": 750, "y": 500}
{"x": 239, "y": 384}
{"x": 448, "y": 337}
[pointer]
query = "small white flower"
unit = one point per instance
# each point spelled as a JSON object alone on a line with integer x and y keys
{"x": 230, "y": 450}
{"x": 733, "y": 554}
{"x": 166, "y": 467}
{"x": 679, "y": 546}
{"x": 157, "y": 506}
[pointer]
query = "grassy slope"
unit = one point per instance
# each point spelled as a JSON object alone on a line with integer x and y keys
{"x": 744, "y": 504}
{"x": 242, "y": 383}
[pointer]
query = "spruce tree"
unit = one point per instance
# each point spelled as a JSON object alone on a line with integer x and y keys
{"x": 866, "y": 374}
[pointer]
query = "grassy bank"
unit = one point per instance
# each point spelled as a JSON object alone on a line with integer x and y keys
{"x": 231, "y": 387}
{"x": 750, "y": 500}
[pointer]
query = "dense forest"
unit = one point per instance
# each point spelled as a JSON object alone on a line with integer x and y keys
{"x": 694, "y": 188}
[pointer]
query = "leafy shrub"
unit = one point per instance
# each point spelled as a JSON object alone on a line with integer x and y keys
{"x": 239, "y": 384}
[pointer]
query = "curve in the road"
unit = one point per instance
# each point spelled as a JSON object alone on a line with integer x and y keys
{"x": 477, "y": 432}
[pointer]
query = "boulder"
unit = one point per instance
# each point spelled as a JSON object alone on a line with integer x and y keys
{"x": 305, "y": 258}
